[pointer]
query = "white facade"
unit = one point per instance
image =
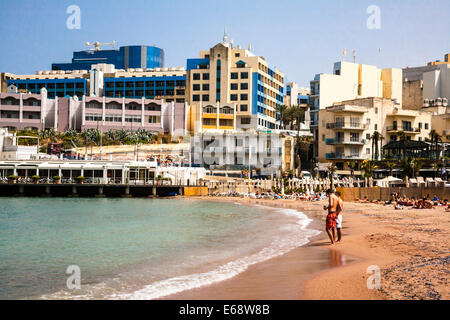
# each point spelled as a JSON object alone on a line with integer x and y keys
{"x": 436, "y": 83}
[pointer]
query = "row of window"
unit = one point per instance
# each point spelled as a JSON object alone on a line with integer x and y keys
{"x": 196, "y": 97}
{"x": 234, "y": 97}
{"x": 244, "y": 86}
{"x": 118, "y": 118}
{"x": 142, "y": 84}
{"x": 51, "y": 85}
{"x": 118, "y": 106}
{"x": 15, "y": 102}
{"x": 204, "y": 76}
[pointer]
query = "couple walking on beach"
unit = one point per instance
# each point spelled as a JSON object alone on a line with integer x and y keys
{"x": 334, "y": 218}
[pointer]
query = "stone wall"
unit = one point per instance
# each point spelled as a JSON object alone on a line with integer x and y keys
{"x": 352, "y": 194}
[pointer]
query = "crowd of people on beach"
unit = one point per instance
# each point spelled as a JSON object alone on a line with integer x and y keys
{"x": 401, "y": 202}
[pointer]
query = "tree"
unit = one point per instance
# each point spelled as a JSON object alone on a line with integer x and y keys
{"x": 376, "y": 138}
{"x": 282, "y": 112}
{"x": 390, "y": 165}
{"x": 435, "y": 138}
{"x": 403, "y": 137}
{"x": 368, "y": 166}
{"x": 352, "y": 165}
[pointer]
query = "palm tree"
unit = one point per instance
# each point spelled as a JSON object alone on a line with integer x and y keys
{"x": 332, "y": 169}
{"x": 282, "y": 111}
{"x": 352, "y": 166}
{"x": 368, "y": 166}
{"x": 390, "y": 165}
{"x": 435, "y": 138}
{"x": 416, "y": 165}
{"x": 376, "y": 137}
{"x": 403, "y": 137}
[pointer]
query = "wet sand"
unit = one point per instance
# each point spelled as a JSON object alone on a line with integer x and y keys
{"x": 409, "y": 246}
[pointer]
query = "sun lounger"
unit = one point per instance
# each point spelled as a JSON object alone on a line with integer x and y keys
{"x": 431, "y": 183}
{"x": 413, "y": 183}
{"x": 421, "y": 182}
{"x": 440, "y": 183}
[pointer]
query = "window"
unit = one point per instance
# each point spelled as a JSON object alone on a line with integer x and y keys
{"x": 244, "y": 108}
{"x": 244, "y": 75}
{"x": 196, "y": 76}
{"x": 196, "y": 87}
{"x": 133, "y": 118}
{"x": 129, "y": 84}
{"x": 196, "y": 97}
{"x": 376, "y": 127}
{"x": 244, "y": 97}
{"x": 376, "y": 110}
{"x": 205, "y": 86}
{"x": 206, "y": 76}
{"x": 368, "y": 136}
{"x": 367, "y": 150}
{"x": 420, "y": 125}
{"x": 245, "y": 120}
{"x": 234, "y": 75}
{"x": 354, "y": 136}
{"x": 234, "y": 97}
{"x": 93, "y": 117}
{"x": 237, "y": 55}
{"x": 180, "y": 92}
{"x": 234, "y": 86}
{"x": 426, "y": 126}
{"x": 132, "y": 106}
{"x": 114, "y": 106}
{"x": 205, "y": 97}
{"x": 152, "y": 107}
{"x": 244, "y": 86}
{"x": 323, "y": 137}
{"x": 154, "y": 119}
{"x": 113, "y": 118}
{"x": 94, "y": 105}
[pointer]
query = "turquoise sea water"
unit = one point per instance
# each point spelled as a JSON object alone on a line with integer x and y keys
{"x": 135, "y": 248}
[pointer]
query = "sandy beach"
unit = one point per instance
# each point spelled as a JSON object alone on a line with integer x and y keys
{"x": 410, "y": 247}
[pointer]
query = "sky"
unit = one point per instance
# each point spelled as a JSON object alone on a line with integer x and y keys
{"x": 300, "y": 38}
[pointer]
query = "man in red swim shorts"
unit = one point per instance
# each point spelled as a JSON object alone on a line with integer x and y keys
{"x": 332, "y": 216}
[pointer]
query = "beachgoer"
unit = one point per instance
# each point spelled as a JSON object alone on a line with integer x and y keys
{"x": 339, "y": 211}
{"x": 331, "y": 217}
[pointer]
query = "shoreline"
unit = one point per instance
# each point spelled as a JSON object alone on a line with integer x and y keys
{"x": 372, "y": 235}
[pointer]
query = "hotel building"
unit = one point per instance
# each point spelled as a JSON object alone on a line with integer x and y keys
{"x": 425, "y": 83}
{"x": 231, "y": 75}
{"x": 351, "y": 81}
{"x": 19, "y": 111}
{"x": 345, "y": 129}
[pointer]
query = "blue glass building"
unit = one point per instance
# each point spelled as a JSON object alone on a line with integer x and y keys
{"x": 149, "y": 87}
{"x": 55, "y": 87}
{"x": 123, "y": 58}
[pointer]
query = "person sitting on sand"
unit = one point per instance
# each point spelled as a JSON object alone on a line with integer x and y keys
{"x": 331, "y": 217}
{"x": 435, "y": 200}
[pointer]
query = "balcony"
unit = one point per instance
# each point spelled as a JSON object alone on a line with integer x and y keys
{"x": 344, "y": 142}
{"x": 346, "y": 126}
{"x": 342, "y": 156}
{"x": 404, "y": 129}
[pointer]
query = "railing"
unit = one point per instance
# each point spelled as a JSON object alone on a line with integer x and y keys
{"x": 342, "y": 156}
{"x": 405, "y": 129}
{"x": 343, "y": 141}
{"x": 345, "y": 125}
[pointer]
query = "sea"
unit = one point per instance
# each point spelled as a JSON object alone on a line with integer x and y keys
{"x": 140, "y": 249}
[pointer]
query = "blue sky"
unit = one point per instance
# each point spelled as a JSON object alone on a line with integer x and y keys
{"x": 301, "y": 38}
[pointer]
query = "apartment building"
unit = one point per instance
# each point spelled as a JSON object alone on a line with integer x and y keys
{"x": 19, "y": 111}
{"x": 345, "y": 129}
{"x": 132, "y": 114}
{"x": 428, "y": 82}
{"x": 212, "y": 117}
{"x": 233, "y": 75}
{"x": 440, "y": 121}
{"x": 296, "y": 96}
{"x": 351, "y": 81}
{"x": 104, "y": 80}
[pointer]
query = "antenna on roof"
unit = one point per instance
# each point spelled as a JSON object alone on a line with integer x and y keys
{"x": 97, "y": 45}
{"x": 225, "y": 37}
{"x": 354, "y": 56}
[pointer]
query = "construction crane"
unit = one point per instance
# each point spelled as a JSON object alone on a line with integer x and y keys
{"x": 97, "y": 45}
